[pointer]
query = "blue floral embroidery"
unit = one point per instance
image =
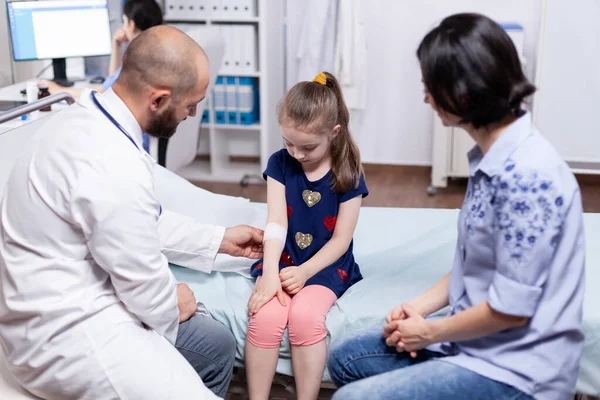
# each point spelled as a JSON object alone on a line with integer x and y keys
{"x": 523, "y": 206}
{"x": 480, "y": 194}
{"x": 528, "y": 207}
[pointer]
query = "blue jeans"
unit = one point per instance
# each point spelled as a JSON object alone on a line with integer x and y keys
{"x": 210, "y": 348}
{"x": 366, "y": 368}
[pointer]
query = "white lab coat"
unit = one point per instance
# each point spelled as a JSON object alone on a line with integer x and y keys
{"x": 88, "y": 306}
{"x": 316, "y": 43}
{"x": 350, "y": 62}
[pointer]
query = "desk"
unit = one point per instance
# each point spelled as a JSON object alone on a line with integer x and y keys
{"x": 13, "y": 93}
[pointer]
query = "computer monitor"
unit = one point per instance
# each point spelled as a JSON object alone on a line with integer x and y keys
{"x": 58, "y": 29}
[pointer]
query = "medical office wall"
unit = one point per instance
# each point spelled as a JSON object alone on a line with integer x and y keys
{"x": 395, "y": 127}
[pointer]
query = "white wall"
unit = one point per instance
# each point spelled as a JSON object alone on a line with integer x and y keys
{"x": 397, "y": 127}
{"x": 566, "y": 104}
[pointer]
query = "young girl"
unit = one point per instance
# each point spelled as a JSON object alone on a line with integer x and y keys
{"x": 314, "y": 191}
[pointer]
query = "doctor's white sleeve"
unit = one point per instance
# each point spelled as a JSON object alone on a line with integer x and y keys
{"x": 187, "y": 243}
{"x": 119, "y": 217}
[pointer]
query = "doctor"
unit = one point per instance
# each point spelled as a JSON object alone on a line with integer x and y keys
{"x": 88, "y": 306}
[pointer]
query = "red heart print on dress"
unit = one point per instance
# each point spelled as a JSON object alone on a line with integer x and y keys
{"x": 286, "y": 259}
{"x": 329, "y": 222}
{"x": 343, "y": 274}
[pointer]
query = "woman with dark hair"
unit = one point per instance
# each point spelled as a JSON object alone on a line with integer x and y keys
{"x": 515, "y": 290}
{"x": 138, "y": 15}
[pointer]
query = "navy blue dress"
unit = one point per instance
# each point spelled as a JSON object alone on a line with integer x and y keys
{"x": 312, "y": 209}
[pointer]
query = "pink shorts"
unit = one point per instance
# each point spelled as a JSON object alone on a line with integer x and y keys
{"x": 304, "y": 315}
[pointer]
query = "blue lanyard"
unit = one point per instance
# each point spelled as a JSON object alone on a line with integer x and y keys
{"x": 115, "y": 123}
{"x": 112, "y": 119}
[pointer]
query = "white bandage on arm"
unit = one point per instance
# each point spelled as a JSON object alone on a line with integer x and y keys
{"x": 276, "y": 232}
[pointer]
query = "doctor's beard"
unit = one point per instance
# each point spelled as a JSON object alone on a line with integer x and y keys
{"x": 163, "y": 125}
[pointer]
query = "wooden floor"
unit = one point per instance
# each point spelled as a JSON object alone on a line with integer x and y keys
{"x": 401, "y": 186}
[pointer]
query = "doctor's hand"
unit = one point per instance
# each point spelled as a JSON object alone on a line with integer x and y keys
{"x": 242, "y": 241}
{"x": 186, "y": 301}
{"x": 409, "y": 334}
{"x": 267, "y": 287}
{"x": 293, "y": 279}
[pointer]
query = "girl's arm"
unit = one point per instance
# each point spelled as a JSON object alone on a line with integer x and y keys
{"x": 269, "y": 284}
{"x": 294, "y": 278}
{"x": 277, "y": 214}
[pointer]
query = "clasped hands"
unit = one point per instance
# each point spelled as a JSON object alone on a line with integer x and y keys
{"x": 407, "y": 330}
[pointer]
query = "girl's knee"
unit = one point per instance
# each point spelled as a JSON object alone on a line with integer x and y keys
{"x": 267, "y": 326}
{"x": 307, "y": 315}
{"x": 306, "y": 329}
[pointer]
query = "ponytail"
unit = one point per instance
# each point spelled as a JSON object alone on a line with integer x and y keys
{"x": 319, "y": 105}
{"x": 345, "y": 155}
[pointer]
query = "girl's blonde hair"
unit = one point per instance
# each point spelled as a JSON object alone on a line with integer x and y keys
{"x": 318, "y": 106}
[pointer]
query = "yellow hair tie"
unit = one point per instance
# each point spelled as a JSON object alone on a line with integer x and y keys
{"x": 321, "y": 79}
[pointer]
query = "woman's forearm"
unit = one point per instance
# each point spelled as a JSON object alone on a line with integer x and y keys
{"x": 434, "y": 299}
{"x": 473, "y": 323}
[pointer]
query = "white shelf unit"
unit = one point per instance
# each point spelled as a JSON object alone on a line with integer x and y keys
{"x": 262, "y": 138}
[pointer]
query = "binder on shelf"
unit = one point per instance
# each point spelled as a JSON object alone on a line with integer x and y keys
{"x": 205, "y": 117}
{"x": 182, "y": 10}
{"x": 203, "y": 9}
{"x": 220, "y": 101}
{"x": 190, "y": 11}
{"x": 237, "y": 44}
{"x": 216, "y": 8}
{"x": 227, "y": 9}
{"x": 231, "y": 100}
{"x": 245, "y": 9}
{"x": 240, "y": 49}
{"x": 236, "y": 100}
{"x": 248, "y": 49}
{"x": 227, "y": 66}
{"x": 248, "y": 100}
{"x": 171, "y": 9}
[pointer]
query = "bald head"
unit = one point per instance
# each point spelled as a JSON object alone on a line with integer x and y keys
{"x": 164, "y": 57}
